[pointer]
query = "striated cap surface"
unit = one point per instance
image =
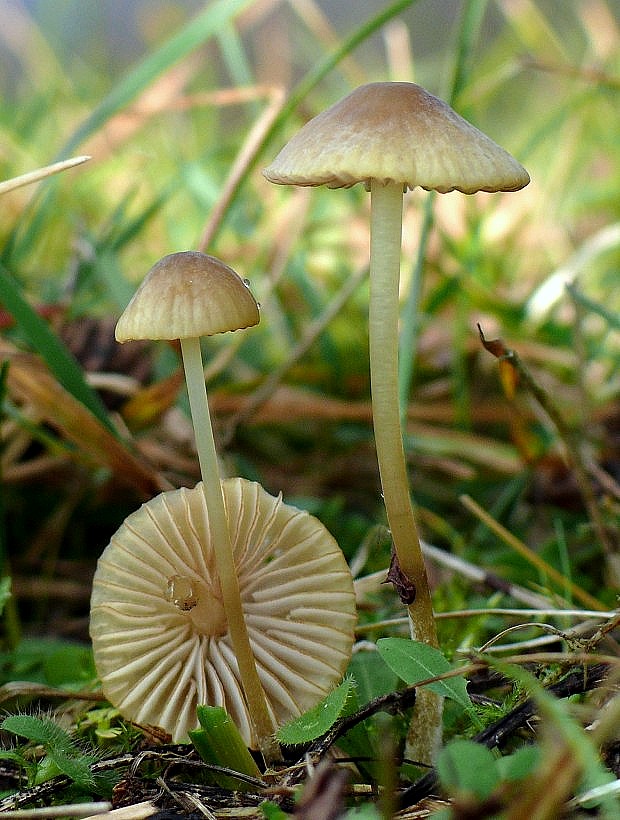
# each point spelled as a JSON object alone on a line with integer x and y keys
{"x": 395, "y": 132}
{"x": 187, "y": 294}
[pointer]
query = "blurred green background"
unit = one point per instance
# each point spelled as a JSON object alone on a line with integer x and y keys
{"x": 180, "y": 105}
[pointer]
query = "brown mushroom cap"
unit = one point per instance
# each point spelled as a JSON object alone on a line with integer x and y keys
{"x": 395, "y": 132}
{"x": 158, "y": 627}
{"x": 185, "y": 295}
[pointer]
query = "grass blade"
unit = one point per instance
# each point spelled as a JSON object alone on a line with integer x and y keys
{"x": 40, "y": 173}
{"x": 205, "y": 25}
{"x": 42, "y": 338}
{"x": 214, "y": 19}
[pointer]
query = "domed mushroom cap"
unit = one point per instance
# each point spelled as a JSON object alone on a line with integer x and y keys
{"x": 395, "y": 132}
{"x": 185, "y": 295}
{"x": 158, "y": 626}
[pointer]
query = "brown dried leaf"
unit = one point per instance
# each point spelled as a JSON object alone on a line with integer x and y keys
{"x": 147, "y": 406}
{"x": 30, "y": 382}
{"x": 405, "y": 589}
{"x": 508, "y": 373}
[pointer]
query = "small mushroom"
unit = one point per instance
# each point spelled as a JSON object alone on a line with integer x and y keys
{"x": 158, "y": 620}
{"x": 185, "y": 296}
{"x": 393, "y": 136}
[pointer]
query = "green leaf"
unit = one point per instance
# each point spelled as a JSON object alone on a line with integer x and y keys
{"x": 320, "y": 719}
{"x": 52, "y": 350}
{"x": 74, "y": 765}
{"x": 39, "y": 730}
{"x": 15, "y": 757}
{"x": 64, "y": 755}
{"x": 219, "y": 743}
{"x": 372, "y": 676}
{"x": 519, "y": 764}
{"x": 70, "y": 665}
{"x": 272, "y": 812}
{"x": 414, "y": 661}
{"x": 39, "y": 660}
{"x": 466, "y": 768}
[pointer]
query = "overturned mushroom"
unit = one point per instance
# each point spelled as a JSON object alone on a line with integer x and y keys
{"x": 158, "y": 625}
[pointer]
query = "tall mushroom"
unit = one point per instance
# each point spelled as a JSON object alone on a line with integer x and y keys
{"x": 185, "y": 296}
{"x": 158, "y": 619}
{"x": 392, "y": 137}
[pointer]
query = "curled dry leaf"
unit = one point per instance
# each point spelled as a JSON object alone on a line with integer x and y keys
{"x": 159, "y": 631}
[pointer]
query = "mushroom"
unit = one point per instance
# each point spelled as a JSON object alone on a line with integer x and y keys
{"x": 185, "y": 296}
{"x": 158, "y": 615}
{"x": 393, "y": 136}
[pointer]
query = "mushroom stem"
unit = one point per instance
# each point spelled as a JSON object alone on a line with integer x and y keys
{"x": 220, "y": 537}
{"x": 385, "y": 243}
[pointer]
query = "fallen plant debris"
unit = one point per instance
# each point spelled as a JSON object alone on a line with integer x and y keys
{"x": 169, "y": 776}
{"x": 497, "y": 735}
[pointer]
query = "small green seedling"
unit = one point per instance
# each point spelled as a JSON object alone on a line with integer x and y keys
{"x": 415, "y": 662}
{"x": 219, "y": 743}
{"x": 62, "y": 754}
{"x": 318, "y": 720}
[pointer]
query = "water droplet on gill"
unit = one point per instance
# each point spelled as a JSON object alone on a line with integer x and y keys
{"x": 180, "y": 593}
{"x": 247, "y": 283}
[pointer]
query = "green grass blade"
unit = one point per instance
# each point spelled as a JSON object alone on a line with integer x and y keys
{"x": 214, "y": 19}
{"x": 219, "y": 743}
{"x": 205, "y": 25}
{"x": 330, "y": 61}
{"x": 318, "y": 73}
{"x": 47, "y": 344}
{"x": 234, "y": 56}
{"x": 471, "y": 20}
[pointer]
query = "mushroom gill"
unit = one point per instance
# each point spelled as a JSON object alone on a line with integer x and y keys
{"x": 158, "y": 626}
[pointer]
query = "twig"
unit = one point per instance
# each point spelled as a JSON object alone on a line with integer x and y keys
{"x": 569, "y": 437}
{"x": 464, "y": 569}
{"x": 40, "y": 173}
{"x": 529, "y": 555}
{"x": 135, "y": 811}
{"x": 69, "y": 810}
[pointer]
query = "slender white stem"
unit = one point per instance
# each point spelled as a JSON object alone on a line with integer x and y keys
{"x": 424, "y": 735}
{"x": 385, "y": 243}
{"x": 220, "y": 538}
